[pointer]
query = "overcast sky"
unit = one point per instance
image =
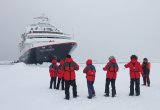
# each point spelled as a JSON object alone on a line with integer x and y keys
{"x": 101, "y": 27}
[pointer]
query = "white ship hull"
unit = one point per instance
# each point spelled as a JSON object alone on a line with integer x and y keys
{"x": 45, "y": 51}
{"x": 42, "y": 42}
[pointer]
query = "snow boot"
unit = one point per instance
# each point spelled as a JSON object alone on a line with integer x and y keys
{"x": 106, "y": 95}
{"x": 66, "y": 98}
{"x": 75, "y": 96}
{"x": 89, "y": 97}
{"x": 131, "y": 94}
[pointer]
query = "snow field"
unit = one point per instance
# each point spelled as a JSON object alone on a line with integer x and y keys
{"x": 26, "y": 87}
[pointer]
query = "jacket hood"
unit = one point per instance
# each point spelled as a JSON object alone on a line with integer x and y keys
{"x": 61, "y": 62}
{"x": 113, "y": 60}
{"x": 134, "y": 60}
{"x": 54, "y": 61}
{"x": 68, "y": 60}
{"x": 89, "y": 62}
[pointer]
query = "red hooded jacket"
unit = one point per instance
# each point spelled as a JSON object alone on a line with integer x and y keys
{"x": 111, "y": 68}
{"x": 53, "y": 69}
{"x": 60, "y": 69}
{"x": 69, "y": 68}
{"x": 90, "y": 71}
{"x": 135, "y": 69}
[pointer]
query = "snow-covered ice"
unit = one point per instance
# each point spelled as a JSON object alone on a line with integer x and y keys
{"x": 26, "y": 87}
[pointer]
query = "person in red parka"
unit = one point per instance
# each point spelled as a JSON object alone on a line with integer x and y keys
{"x": 112, "y": 69}
{"x": 69, "y": 68}
{"x": 60, "y": 75}
{"x": 53, "y": 73}
{"x": 90, "y": 72}
{"x": 146, "y": 69}
{"x": 135, "y": 70}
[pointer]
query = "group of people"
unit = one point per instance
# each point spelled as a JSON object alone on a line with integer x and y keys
{"x": 66, "y": 75}
{"x": 56, "y": 71}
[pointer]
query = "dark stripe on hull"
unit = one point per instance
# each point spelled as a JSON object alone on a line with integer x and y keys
{"x": 47, "y": 53}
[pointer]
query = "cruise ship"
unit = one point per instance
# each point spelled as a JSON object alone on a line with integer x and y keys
{"x": 42, "y": 42}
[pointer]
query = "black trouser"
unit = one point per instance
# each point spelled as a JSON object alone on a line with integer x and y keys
{"x": 62, "y": 82}
{"x": 112, "y": 84}
{"x": 53, "y": 79}
{"x": 91, "y": 91}
{"x": 69, "y": 83}
{"x": 135, "y": 82}
{"x": 146, "y": 79}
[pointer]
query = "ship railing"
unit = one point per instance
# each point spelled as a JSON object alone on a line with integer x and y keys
{"x": 50, "y": 32}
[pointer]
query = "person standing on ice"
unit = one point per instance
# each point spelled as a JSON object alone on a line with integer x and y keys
{"x": 146, "y": 69}
{"x": 69, "y": 68}
{"x": 53, "y": 73}
{"x": 112, "y": 69}
{"x": 90, "y": 72}
{"x": 135, "y": 70}
{"x": 60, "y": 75}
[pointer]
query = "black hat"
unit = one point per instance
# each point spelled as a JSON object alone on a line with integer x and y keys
{"x": 54, "y": 57}
{"x": 68, "y": 56}
{"x": 134, "y": 57}
{"x": 145, "y": 59}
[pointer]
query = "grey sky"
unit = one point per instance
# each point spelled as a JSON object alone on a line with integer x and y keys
{"x": 101, "y": 27}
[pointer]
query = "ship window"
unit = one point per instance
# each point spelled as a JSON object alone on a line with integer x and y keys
{"x": 49, "y": 29}
{"x": 51, "y": 37}
{"x": 36, "y": 28}
{"x": 31, "y": 29}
